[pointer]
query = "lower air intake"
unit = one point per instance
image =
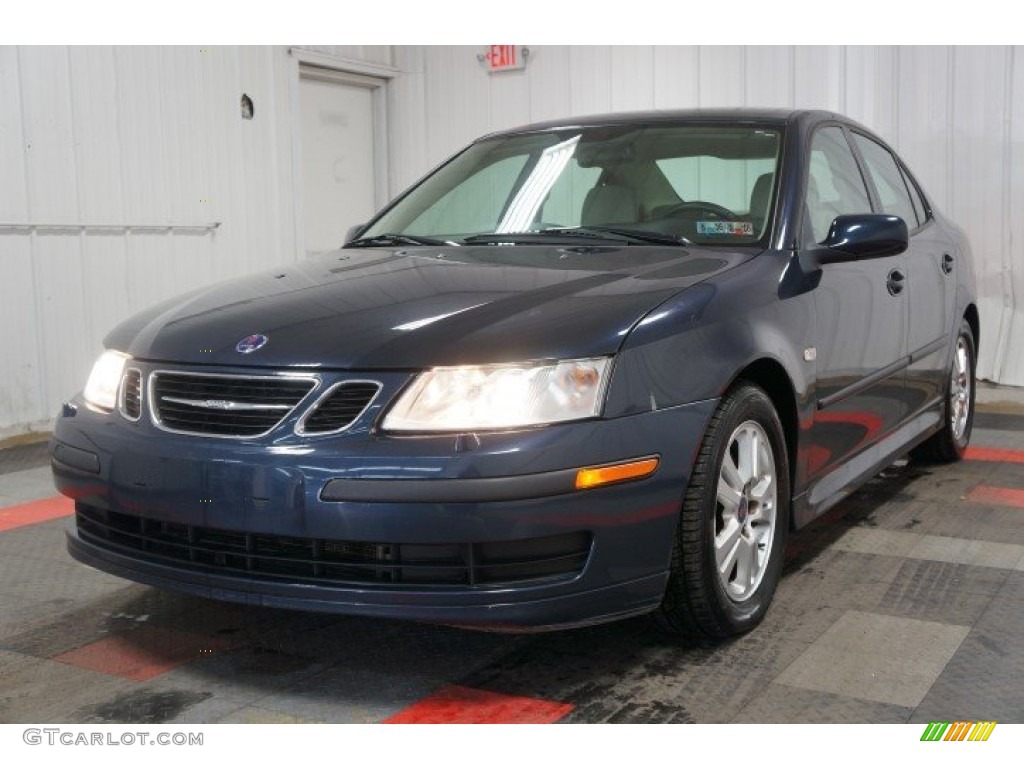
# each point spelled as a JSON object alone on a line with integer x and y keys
{"x": 268, "y": 556}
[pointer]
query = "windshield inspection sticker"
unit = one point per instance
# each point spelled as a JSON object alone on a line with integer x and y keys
{"x": 725, "y": 228}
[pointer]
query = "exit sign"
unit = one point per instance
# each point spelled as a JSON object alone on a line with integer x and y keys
{"x": 502, "y": 58}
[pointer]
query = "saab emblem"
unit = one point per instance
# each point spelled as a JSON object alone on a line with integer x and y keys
{"x": 251, "y": 343}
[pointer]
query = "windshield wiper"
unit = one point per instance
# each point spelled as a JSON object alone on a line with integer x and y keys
{"x": 569, "y": 234}
{"x": 395, "y": 239}
{"x": 544, "y": 236}
{"x": 644, "y": 235}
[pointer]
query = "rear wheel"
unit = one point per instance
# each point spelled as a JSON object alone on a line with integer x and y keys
{"x": 729, "y": 547}
{"x": 950, "y": 442}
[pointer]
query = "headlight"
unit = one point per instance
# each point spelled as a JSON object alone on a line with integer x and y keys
{"x": 470, "y": 398}
{"x": 101, "y": 388}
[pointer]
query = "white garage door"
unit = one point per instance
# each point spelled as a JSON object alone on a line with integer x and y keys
{"x": 338, "y": 155}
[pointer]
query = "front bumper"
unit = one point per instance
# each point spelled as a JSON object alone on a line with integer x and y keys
{"x": 275, "y": 487}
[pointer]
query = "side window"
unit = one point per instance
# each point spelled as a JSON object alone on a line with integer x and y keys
{"x": 892, "y": 189}
{"x": 834, "y": 184}
{"x": 916, "y": 199}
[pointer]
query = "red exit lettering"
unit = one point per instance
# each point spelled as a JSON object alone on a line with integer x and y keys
{"x": 500, "y": 57}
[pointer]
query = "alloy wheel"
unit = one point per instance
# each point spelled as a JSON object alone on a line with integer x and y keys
{"x": 960, "y": 389}
{"x": 745, "y": 511}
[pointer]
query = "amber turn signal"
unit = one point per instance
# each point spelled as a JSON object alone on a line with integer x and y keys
{"x": 591, "y": 477}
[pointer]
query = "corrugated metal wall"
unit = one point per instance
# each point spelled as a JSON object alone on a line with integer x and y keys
{"x": 136, "y": 135}
{"x": 131, "y": 136}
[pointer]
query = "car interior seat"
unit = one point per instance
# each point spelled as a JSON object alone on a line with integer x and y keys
{"x": 610, "y": 204}
{"x": 760, "y": 196}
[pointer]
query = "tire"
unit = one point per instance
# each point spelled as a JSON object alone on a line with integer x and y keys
{"x": 950, "y": 442}
{"x": 698, "y": 600}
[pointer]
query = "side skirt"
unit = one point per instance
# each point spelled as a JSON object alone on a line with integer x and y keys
{"x": 829, "y": 490}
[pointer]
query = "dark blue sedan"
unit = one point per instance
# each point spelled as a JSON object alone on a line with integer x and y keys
{"x": 583, "y": 370}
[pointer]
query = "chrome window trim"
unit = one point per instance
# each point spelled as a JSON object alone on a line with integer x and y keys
{"x": 121, "y": 390}
{"x": 300, "y": 426}
{"x": 314, "y": 379}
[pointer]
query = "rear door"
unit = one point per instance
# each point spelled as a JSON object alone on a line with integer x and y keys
{"x": 930, "y": 274}
{"x": 861, "y": 333}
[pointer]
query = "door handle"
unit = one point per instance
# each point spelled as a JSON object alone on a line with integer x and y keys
{"x": 947, "y": 263}
{"x": 895, "y": 282}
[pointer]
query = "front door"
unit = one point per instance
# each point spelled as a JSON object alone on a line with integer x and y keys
{"x": 930, "y": 275}
{"x": 861, "y": 306}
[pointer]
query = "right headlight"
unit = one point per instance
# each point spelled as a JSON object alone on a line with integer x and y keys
{"x": 101, "y": 388}
{"x": 475, "y": 398}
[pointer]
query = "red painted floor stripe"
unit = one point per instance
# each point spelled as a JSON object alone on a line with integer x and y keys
{"x": 142, "y": 654}
{"x": 458, "y": 704}
{"x": 1004, "y": 497}
{"x": 981, "y": 453}
{"x": 35, "y": 512}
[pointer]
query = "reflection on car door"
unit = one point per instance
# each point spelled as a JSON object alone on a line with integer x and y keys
{"x": 861, "y": 333}
{"x": 930, "y": 275}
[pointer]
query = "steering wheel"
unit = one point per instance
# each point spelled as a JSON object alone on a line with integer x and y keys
{"x": 713, "y": 209}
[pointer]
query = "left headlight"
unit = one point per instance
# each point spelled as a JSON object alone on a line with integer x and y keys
{"x": 471, "y": 398}
{"x": 101, "y": 388}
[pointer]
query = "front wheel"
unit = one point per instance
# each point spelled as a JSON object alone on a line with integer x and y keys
{"x": 729, "y": 547}
{"x": 950, "y": 442}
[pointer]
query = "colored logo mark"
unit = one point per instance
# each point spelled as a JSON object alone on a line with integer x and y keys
{"x": 251, "y": 343}
{"x": 961, "y": 730}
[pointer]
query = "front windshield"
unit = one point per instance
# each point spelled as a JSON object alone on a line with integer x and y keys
{"x": 701, "y": 183}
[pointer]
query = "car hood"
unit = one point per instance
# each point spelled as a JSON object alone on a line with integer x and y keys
{"x": 419, "y": 307}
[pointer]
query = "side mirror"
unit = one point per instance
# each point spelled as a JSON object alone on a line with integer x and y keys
{"x": 353, "y": 232}
{"x": 864, "y": 236}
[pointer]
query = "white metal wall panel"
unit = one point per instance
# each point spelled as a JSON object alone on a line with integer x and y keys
{"x": 52, "y": 194}
{"x": 1011, "y": 368}
{"x": 98, "y": 179}
{"x": 722, "y": 76}
{"x": 979, "y": 183}
{"x": 128, "y": 136}
{"x": 153, "y": 135}
{"x": 590, "y": 78}
{"x": 407, "y": 138}
{"x": 457, "y": 104}
{"x": 870, "y": 88}
{"x": 21, "y": 397}
{"x": 631, "y": 77}
{"x": 676, "y": 76}
{"x": 510, "y": 99}
{"x": 769, "y": 76}
{"x": 550, "y": 83}
{"x": 925, "y": 116}
{"x": 818, "y": 78}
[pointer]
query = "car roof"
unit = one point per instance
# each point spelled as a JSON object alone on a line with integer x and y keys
{"x": 739, "y": 115}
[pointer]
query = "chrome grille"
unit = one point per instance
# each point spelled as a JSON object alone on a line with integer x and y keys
{"x": 339, "y": 407}
{"x": 131, "y": 394}
{"x": 224, "y": 405}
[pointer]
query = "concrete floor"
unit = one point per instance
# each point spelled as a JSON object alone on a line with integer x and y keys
{"x": 905, "y": 605}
